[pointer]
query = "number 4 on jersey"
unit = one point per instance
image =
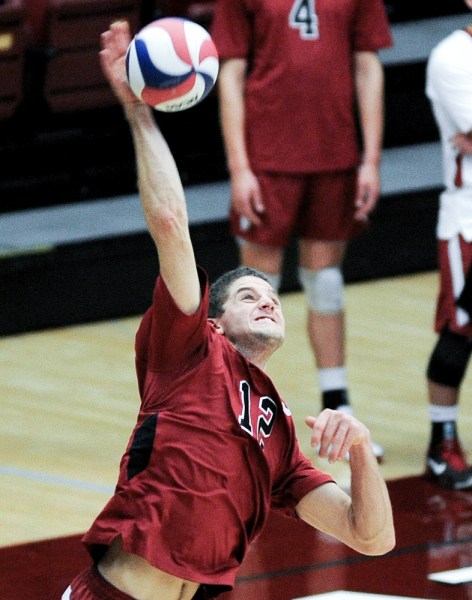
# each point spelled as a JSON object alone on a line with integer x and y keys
{"x": 303, "y": 17}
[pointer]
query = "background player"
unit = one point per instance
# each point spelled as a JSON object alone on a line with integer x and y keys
{"x": 289, "y": 74}
{"x": 449, "y": 87}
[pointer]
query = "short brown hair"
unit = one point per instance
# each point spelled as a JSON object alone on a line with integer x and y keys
{"x": 219, "y": 289}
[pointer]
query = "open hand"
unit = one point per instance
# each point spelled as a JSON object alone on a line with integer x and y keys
{"x": 335, "y": 432}
{"x": 114, "y": 44}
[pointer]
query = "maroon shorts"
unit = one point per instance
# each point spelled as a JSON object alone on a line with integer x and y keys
{"x": 316, "y": 206}
{"x": 455, "y": 258}
{"x": 90, "y": 585}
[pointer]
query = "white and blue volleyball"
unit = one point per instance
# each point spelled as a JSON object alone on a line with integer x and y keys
{"x": 172, "y": 64}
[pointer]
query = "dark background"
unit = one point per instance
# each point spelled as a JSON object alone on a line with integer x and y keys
{"x": 63, "y": 139}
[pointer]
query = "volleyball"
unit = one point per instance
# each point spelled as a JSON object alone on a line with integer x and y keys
{"x": 172, "y": 64}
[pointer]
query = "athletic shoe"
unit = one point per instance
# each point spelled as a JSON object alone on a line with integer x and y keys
{"x": 446, "y": 463}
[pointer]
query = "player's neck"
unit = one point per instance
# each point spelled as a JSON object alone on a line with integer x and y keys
{"x": 258, "y": 349}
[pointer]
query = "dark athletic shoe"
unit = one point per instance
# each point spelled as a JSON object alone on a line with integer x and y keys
{"x": 447, "y": 465}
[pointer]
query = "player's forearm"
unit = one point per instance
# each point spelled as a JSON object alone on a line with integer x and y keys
{"x": 164, "y": 207}
{"x": 363, "y": 519}
{"x": 369, "y": 81}
{"x": 370, "y": 512}
{"x": 159, "y": 181}
{"x": 161, "y": 191}
{"x": 232, "y": 114}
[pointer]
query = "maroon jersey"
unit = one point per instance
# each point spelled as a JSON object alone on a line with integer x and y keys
{"x": 299, "y": 89}
{"x": 214, "y": 448}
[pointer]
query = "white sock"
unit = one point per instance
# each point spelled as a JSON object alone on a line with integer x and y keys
{"x": 334, "y": 378}
{"x": 443, "y": 414}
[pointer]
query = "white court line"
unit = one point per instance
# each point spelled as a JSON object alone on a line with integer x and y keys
{"x": 56, "y": 480}
{"x": 453, "y": 577}
{"x": 342, "y": 595}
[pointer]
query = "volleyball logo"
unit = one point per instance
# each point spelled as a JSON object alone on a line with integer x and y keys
{"x": 172, "y": 64}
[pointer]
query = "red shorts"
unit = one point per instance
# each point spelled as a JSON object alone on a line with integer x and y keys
{"x": 316, "y": 206}
{"x": 455, "y": 258}
{"x": 90, "y": 585}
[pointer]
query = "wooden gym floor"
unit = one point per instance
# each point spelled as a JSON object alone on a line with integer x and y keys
{"x": 68, "y": 401}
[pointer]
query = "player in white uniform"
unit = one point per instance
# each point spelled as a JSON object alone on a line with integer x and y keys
{"x": 449, "y": 87}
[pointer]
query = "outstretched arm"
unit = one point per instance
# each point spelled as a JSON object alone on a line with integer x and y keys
{"x": 362, "y": 520}
{"x": 160, "y": 187}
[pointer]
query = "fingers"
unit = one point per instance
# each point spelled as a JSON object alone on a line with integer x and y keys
{"x": 105, "y": 55}
{"x": 247, "y": 199}
{"x": 114, "y": 43}
{"x": 121, "y": 32}
{"x": 255, "y": 208}
{"x": 254, "y": 219}
{"x": 334, "y": 439}
{"x": 310, "y": 421}
{"x": 116, "y": 39}
{"x": 249, "y": 218}
{"x": 111, "y": 51}
{"x": 334, "y": 432}
{"x": 366, "y": 195}
{"x": 367, "y": 192}
{"x": 257, "y": 202}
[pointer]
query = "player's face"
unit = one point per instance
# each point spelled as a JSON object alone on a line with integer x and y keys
{"x": 253, "y": 308}
{"x": 469, "y": 3}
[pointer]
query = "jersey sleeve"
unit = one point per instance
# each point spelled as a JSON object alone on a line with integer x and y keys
{"x": 371, "y": 27}
{"x": 231, "y": 29}
{"x": 302, "y": 480}
{"x": 167, "y": 338}
{"x": 297, "y": 478}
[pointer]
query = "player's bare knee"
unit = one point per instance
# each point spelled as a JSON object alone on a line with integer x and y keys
{"x": 267, "y": 259}
{"x": 324, "y": 289}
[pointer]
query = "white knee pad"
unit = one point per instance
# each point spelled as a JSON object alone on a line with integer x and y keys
{"x": 324, "y": 289}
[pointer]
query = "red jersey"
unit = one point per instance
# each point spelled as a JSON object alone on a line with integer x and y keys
{"x": 300, "y": 86}
{"x": 214, "y": 448}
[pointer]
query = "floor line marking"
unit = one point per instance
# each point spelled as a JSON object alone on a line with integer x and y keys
{"x": 56, "y": 480}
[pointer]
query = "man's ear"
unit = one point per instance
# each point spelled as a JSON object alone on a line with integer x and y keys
{"x": 217, "y": 325}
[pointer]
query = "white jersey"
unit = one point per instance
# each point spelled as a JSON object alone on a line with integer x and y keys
{"x": 449, "y": 87}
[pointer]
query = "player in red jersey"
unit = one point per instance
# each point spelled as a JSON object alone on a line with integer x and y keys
{"x": 290, "y": 73}
{"x": 214, "y": 447}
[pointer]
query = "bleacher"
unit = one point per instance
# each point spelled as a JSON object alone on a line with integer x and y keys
{"x": 72, "y": 239}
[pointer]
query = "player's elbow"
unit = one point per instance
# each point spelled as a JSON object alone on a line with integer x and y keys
{"x": 380, "y": 544}
{"x": 167, "y": 224}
